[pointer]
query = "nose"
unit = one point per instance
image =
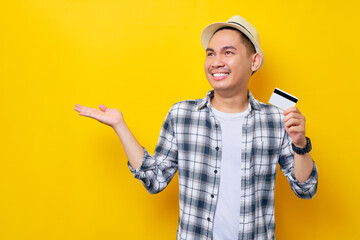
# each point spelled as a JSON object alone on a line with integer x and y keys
{"x": 217, "y": 62}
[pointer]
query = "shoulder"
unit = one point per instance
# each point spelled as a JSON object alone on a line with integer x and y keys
{"x": 268, "y": 110}
{"x": 185, "y": 106}
{"x": 183, "y": 112}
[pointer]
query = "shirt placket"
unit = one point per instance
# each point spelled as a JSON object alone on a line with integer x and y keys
{"x": 216, "y": 171}
{"x": 246, "y": 221}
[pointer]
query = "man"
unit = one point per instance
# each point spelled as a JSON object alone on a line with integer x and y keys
{"x": 226, "y": 146}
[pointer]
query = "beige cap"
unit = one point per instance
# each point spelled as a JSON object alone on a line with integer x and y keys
{"x": 236, "y": 22}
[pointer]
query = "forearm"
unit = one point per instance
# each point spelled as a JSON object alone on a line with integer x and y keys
{"x": 303, "y": 166}
{"x": 133, "y": 150}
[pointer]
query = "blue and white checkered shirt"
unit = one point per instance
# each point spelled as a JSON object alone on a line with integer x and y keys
{"x": 190, "y": 142}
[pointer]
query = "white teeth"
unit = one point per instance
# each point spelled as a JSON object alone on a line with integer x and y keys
{"x": 220, "y": 74}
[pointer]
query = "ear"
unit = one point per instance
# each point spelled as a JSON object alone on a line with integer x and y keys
{"x": 256, "y": 60}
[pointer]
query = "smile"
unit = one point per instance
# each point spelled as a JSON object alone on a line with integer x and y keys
{"x": 220, "y": 74}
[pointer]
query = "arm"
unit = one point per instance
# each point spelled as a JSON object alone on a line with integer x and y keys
{"x": 156, "y": 171}
{"x": 114, "y": 118}
{"x": 303, "y": 166}
{"x": 133, "y": 150}
{"x": 300, "y": 170}
{"x": 294, "y": 123}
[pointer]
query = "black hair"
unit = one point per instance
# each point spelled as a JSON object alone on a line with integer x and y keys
{"x": 248, "y": 44}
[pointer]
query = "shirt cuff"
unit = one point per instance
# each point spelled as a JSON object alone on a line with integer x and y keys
{"x": 138, "y": 172}
{"x": 312, "y": 179}
{"x": 308, "y": 188}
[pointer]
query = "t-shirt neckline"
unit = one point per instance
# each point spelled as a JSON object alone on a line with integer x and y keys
{"x": 230, "y": 115}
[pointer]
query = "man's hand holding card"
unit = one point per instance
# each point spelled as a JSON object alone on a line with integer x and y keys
{"x": 294, "y": 121}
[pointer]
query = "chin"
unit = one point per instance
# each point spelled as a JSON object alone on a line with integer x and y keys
{"x": 219, "y": 85}
{"x": 221, "y": 88}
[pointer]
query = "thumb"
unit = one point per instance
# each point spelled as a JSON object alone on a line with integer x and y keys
{"x": 102, "y": 107}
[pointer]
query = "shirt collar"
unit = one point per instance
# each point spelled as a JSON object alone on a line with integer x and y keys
{"x": 254, "y": 104}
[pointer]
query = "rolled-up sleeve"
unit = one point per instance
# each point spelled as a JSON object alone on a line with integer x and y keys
{"x": 157, "y": 171}
{"x": 305, "y": 190}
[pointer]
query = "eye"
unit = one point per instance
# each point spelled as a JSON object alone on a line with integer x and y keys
{"x": 228, "y": 53}
{"x": 209, "y": 54}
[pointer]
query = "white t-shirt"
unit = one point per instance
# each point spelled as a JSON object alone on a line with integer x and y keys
{"x": 227, "y": 214}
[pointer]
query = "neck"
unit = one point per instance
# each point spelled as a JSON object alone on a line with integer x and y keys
{"x": 229, "y": 103}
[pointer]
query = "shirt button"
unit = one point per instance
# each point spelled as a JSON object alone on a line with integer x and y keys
{"x": 215, "y": 171}
{"x": 212, "y": 196}
{"x": 208, "y": 219}
{"x": 217, "y": 148}
{"x": 216, "y": 125}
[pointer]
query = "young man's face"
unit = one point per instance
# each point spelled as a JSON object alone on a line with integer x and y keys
{"x": 227, "y": 64}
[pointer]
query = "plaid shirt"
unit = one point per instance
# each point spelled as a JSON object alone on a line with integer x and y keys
{"x": 190, "y": 142}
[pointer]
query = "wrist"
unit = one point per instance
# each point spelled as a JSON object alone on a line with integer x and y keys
{"x": 301, "y": 144}
{"x": 302, "y": 150}
{"x": 119, "y": 125}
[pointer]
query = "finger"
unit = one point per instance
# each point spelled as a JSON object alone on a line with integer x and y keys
{"x": 291, "y": 109}
{"x": 83, "y": 108}
{"x": 80, "y": 108}
{"x": 77, "y": 107}
{"x": 102, "y": 107}
{"x": 90, "y": 112}
{"x": 294, "y": 129}
{"x": 293, "y": 115}
{"x": 293, "y": 122}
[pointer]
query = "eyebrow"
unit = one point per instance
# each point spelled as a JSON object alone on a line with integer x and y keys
{"x": 223, "y": 48}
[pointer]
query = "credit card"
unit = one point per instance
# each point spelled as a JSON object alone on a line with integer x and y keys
{"x": 282, "y": 100}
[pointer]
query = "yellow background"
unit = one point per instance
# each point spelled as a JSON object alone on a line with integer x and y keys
{"x": 63, "y": 176}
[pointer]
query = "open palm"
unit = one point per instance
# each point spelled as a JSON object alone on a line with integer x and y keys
{"x": 108, "y": 116}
